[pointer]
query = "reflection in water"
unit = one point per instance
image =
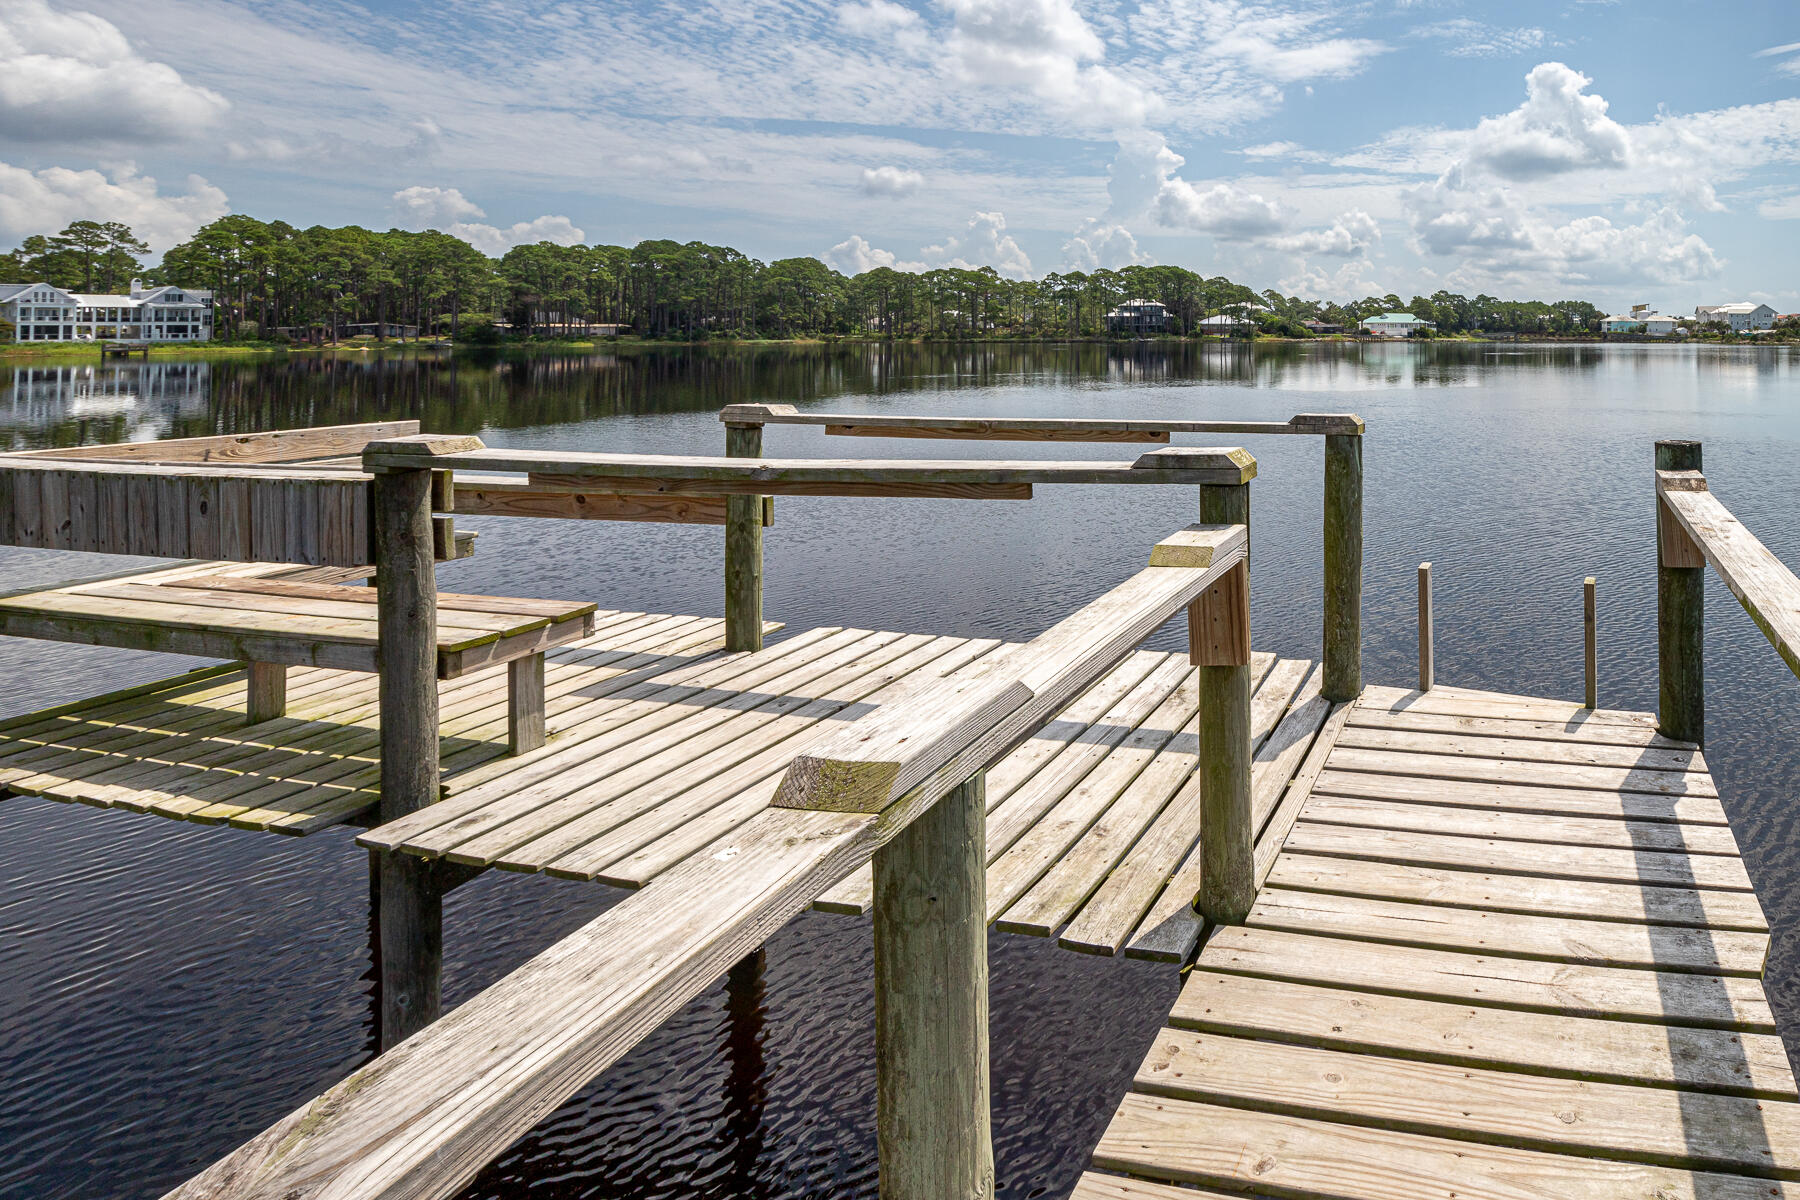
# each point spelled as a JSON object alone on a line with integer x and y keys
{"x": 66, "y": 405}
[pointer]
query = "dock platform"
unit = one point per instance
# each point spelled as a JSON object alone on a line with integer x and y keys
{"x": 661, "y": 744}
{"x": 1508, "y": 950}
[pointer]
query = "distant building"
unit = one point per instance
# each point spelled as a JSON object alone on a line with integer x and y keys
{"x": 1743, "y": 316}
{"x": 1396, "y": 324}
{"x": 1640, "y": 320}
{"x": 40, "y": 312}
{"x": 1322, "y": 328}
{"x": 1227, "y": 323}
{"x": 1139, "y": 317}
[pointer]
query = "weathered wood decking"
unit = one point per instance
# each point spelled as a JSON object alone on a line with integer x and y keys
{"x": 1509, "y": 950}
{"x": 661, "y": 745}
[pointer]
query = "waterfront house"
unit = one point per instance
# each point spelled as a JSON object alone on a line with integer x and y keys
{"x": 1139, "y": 317}
{"x": 1322, "y": 328}
{"x": 1742, "y": 316}
{"x": 1395, "y": 324}
{"x": 41, "y": 312}
{"x": 1640, "y": 320}
{"x": 1227, "y": 324}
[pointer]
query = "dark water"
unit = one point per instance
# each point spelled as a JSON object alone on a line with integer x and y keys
{"x": 168, "y": 990}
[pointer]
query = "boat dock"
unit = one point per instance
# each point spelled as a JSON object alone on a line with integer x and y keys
{"x": 1438, "y": 942}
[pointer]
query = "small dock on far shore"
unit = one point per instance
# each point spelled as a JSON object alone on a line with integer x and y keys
{"x": 1439, "y": 942}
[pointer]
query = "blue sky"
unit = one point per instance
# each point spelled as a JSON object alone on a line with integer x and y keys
{"x": 1614, "y": 151}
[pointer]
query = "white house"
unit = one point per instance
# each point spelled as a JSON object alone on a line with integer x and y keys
{"x": 1640, "y": 320}
{"x": 42, "y": 313}
{"x": 1226, "y": 323}
{"x": 1742, "y": 316}
{"x": 1395, "y": 324}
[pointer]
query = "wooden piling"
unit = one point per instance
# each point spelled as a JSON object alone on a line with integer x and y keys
{"x": 525, "y": 729}
{"x": 268, "y": 691}
{"x": 1680, "y": 611}
{"x": 1342, "y": 678}
{"x": 411, "y": 906}
{"x": 1590, "y": 643}
{"x": 931, "y": 1004}
{"x": 1427, "y": 668}
{"x": 1219, "y": 646}
{"x": 743, "y": 549}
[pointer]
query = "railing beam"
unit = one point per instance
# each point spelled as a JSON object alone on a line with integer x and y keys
{"x": 1680, "y": 611}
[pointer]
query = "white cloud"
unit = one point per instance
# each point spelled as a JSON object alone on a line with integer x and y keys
{"x": 1559, "y": 128}
{"x": 984, "y": 242}
{"x": 494, "y": 241}
{"x": 1781, "y": 208}
{"x": 1223, "y": 210}
{"x": 1791, "y": 53}
{"x": 431, "y": 206}
{"x": 891, "y": 181}
{"x": 1349, "y": 236}
{"x": 1046, "y": 48}
{"x": 1273, "y": 150}
{"x": 872, "y": 18}
{"x": 47, "y": 200}
{"x": 1476, "y": 39}
{"x": 1097, "y": 244}
{"x": 72, "y": 76}
{"x": 854, "y": 255}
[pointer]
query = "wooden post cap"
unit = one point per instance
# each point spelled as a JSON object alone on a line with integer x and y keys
{"x": 425, "y": 445}
{"x": 1348, "y": 423}
{"x": 1680, "y": 481}
{"x": 755, "y": 414}
{"x": 1200, "y": 458}
{"x": 1196, "y": 546}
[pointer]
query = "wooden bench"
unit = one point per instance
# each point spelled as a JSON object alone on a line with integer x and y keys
{"x": 273, "y": 624}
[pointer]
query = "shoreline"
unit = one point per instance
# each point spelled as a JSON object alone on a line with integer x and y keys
{"x": 61, "y": 352}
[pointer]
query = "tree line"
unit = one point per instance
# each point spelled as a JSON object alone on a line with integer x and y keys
{"x": 272, "y": 279}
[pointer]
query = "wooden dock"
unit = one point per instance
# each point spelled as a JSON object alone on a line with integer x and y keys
{"x": 1443, "y": 944}
{"x": 1509, "y": 950}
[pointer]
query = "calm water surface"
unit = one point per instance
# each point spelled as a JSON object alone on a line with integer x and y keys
{"x": 167, "y": 990}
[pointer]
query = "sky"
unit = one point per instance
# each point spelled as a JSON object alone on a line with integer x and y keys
{"x": 1619, "y": 151}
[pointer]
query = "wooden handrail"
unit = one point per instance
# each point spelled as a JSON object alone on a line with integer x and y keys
{"x": 276, "y": 445}
{"x": 1767, "y": 589}
{"x": 667, "y": 474}
{"x": 951, "y": 729}
{"x": 424, "y": 1117}
{"x": 1030, "y": 429}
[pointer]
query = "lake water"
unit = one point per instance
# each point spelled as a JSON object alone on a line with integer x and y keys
{"x": 168, "y": 990}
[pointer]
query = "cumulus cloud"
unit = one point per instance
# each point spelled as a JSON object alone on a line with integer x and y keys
{"x": 891, "y": 181}
{"x": 854, "y": 255}
{"x": 1559, "y": 128}
{"x": 984, "y": 242}
{"x": 1098, "y": 244}
{"x": 494, "y": 241}
{"x": 1046, "y": 48}
{"x": 1350, "y": 236}
{"x": 47, "y": 200}
{"x": 1223, "y": 210}
{"x": 430, "y": 206}
{"x": 72, "y": 76}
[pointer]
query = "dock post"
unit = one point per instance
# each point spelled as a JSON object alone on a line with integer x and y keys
{"x": 411, "y": 902}
{"x": 743, "y": 548}
{"x": 1427, "y": 667}
{"x": 1342, "y": 678}
{"x": 1680, "y": 611}
{"x": 1219, "y": 646}
{"x": 1590, "y": 645}
{"x": 935, "y": 1140}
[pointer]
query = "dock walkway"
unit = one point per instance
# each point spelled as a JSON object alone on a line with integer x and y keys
{"x": 1508, "y": 950}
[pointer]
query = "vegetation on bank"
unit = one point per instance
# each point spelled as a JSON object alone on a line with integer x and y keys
{"x": 273, "y": 281}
